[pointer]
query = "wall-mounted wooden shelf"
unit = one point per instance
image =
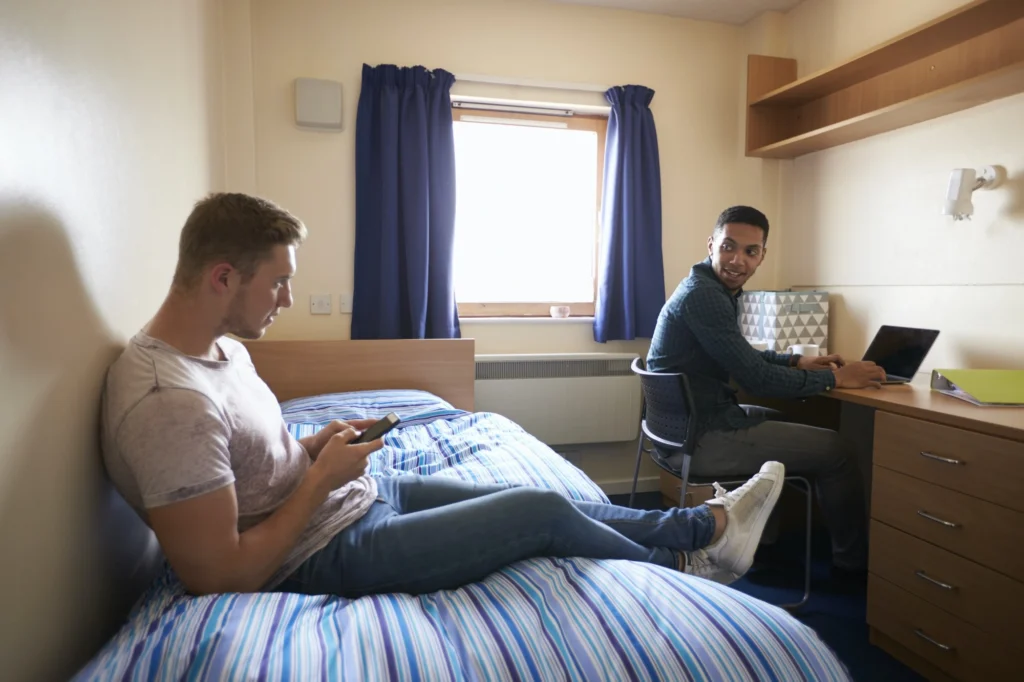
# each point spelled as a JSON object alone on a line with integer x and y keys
{"x": 970, "y": 56}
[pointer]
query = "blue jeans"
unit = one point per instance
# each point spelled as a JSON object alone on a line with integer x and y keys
{"x": 805, "y": 450}
{"x": 428, "y": 533}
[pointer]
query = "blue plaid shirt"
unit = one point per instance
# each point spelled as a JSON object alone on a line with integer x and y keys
{"x": 698, "y": 333}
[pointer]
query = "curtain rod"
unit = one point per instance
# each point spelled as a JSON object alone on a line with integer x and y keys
{"x": 529, "y": 83}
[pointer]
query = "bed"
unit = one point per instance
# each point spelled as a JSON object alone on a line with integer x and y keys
{"x": 540, "y": 619}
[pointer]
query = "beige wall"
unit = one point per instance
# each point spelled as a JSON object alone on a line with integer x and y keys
{"x": 760, "y": 180}
{"x": 863, "y": 220}
{"x": 692, "y": 66}
{"x": 109, "y": 132}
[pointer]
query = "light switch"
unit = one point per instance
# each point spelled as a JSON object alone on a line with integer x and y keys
{"x": 320, "y": 304}
{"x": 345, "y": 303}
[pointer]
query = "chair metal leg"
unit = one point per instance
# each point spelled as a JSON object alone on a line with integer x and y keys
{"x": 636, "y": 470}
{"x": 684, "y": 478}
{"x": 809, "y": 491}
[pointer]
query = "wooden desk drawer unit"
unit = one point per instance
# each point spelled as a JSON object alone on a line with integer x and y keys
{"x": 945, "y": 641}
{"x": 977, "y": 530}
{"x": 946, "y": 560}
{"x": 972, "y": 463}
{"x": 979, "y": 595}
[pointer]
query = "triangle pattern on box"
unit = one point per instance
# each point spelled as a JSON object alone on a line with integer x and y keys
{"x": 785, "y": 318}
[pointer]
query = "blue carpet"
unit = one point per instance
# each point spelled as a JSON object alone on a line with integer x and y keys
{"x": 836, "y": 610}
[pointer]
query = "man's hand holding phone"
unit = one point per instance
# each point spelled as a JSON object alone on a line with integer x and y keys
{"x": 342, "y": 460}
{"x": 315, "y": 443}
{"x": 346, "y": 454}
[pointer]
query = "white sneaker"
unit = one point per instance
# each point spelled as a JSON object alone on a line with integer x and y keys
{"x": 746, "y": 510}
{"x": 698, "y": 564}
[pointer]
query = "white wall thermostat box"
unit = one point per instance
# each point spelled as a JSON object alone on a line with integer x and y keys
{"x": 317, "y": 104}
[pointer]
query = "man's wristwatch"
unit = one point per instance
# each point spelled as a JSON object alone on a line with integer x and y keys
{"x": 794, "y": 359}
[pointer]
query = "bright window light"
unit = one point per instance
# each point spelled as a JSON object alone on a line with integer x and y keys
{"x": 526, "y": 213}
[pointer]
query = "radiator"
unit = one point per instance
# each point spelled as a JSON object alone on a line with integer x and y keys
{"x": 563, "y": 398}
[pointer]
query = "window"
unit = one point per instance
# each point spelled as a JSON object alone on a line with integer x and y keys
{"x": 527, "y": 199}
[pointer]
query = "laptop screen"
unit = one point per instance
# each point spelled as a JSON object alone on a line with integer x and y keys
{"x": 901, "y": 350}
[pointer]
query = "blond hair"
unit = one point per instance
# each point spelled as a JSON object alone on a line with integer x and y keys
{"x": 235, "y": 228}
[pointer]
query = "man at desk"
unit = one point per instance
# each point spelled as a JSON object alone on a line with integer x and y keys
{"x": 698, "y": 333}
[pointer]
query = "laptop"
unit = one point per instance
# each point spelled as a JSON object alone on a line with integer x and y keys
{"x": 900, "y": 351}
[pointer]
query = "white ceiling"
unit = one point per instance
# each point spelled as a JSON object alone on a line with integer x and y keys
{"x": 725, "y": 11}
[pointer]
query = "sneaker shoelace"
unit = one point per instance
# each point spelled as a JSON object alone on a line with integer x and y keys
{"x": 721, "y": 492}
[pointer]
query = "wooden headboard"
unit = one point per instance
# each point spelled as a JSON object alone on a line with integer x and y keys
{"x": 294, "y": 369}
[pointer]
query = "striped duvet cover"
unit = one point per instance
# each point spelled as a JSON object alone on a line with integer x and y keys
{"x": 540, "y": 619}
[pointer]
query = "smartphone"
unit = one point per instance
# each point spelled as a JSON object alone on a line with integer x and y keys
{"x": 379, "y": 429}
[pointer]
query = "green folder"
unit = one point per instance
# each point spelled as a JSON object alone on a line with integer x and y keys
{"x": 981, "y": 386}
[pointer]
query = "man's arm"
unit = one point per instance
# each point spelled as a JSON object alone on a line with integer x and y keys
{"x": 200, "y": 536}
{"x": 201, "y": 541}
{"x": 776, "y": 358}
{"x": 711, "y": 318}
{"x": 176, "y": 444}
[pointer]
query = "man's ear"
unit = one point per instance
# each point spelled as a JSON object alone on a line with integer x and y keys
{"x": 220, "y": 277}
{"x": 711, "y": 245}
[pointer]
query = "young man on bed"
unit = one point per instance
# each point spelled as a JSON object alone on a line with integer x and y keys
{"x": 698, "y": 333}
{"x": 196, "y": 443}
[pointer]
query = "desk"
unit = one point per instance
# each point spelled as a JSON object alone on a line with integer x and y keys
{"x": 946, "y": 558}
{"x": 919, "y": 401}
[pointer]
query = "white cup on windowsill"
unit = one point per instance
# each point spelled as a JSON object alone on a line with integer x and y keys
{"x": 807, "y": 350}
{"x": 758, "y": 344}
{"x": 559, "y": 311}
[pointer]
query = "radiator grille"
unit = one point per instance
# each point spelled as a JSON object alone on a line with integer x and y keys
{"x": 553, "y": 369}
{"x": 562, "y": 398}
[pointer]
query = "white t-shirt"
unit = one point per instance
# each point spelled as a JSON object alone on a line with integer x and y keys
{"x": 177, "y": 427}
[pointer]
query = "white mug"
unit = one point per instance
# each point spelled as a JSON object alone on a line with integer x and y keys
{"x": 806, "y": 349}
{"x": 758, "y": 344}
{"x": 559, "y": 311}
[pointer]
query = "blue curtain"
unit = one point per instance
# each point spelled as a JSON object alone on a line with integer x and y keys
{"x": 631, "y": 280}
{"x": 405, "y": 206}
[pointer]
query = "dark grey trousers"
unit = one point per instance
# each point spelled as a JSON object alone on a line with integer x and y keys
{"x": 819, "y": 454}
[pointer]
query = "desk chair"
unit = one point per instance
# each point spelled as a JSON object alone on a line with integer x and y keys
{"x": 668, "y": 421}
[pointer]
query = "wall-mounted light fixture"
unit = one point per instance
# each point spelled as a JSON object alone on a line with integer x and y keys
{"x": 962, "y": 183}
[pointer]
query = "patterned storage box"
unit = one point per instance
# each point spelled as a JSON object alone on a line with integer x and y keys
{"x": 785, "y": 318}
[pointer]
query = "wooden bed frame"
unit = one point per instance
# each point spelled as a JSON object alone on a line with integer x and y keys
{"x": 295, "y": 369}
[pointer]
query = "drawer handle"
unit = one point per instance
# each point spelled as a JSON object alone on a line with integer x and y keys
{"x": 924, "y": 576}
{"x": 944, "y": 647}
{"x": 944, "y": 460}
{"x": 936, "y": 519}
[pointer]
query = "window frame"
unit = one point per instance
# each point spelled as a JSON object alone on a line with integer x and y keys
{"x": 595, "y": 123}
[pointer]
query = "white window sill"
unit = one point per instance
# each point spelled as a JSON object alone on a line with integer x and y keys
{"x": 525, "y": 320}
